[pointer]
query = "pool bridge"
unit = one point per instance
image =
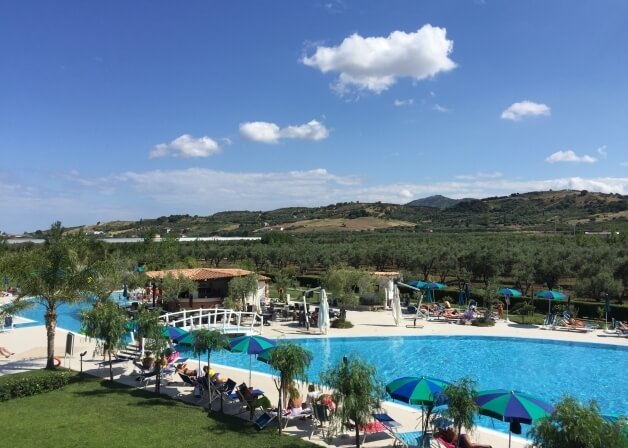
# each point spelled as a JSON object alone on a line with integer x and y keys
{"x": 226, "y": 321}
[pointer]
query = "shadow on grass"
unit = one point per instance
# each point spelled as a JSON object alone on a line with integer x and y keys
{"x": 108, "y": 388}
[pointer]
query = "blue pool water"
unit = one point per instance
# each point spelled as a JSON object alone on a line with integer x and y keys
{"x": 545, "y": 368}
{"x": 541, "y": 367}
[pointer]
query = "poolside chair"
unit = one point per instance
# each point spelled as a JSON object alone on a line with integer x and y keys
{"x": 321, "y": 422}
{"x": 407, "y": 439}
{"x": 264, "y": 419}
{"x": 250, "y": 405}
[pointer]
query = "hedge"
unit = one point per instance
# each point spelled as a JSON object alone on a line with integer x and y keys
{"x": 32, "y": 383}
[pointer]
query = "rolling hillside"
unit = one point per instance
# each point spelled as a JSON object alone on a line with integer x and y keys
{"x": 561, "y": 211}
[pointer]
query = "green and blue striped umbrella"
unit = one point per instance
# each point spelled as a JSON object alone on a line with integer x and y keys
{"x": 512, "y": 406}
{"x": 173, "y": 332}
{"x": 417, "y": 390}
{"x": 253, "y": 345}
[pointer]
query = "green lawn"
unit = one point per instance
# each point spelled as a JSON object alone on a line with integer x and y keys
{"x": 95, "y": 413}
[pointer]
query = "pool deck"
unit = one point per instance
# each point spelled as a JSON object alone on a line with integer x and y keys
{"x": 29, "y": 347}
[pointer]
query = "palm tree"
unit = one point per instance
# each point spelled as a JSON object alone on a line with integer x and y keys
{"x": 205, "y": 340}
{"x": 291, "y": 361}
{"x": 356, "y": 389}
{"x": 150, "y": 328}
{"x": 461, "y": 408}
{"x": 106, "y": 321}
{"x": 57, "y": 272}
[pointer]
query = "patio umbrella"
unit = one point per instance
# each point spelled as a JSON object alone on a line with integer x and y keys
{"x": 512, "y": 406}
{"x": 430, "y": 287}
{"x": 508, "y": 293}
{"x": 323, "y": 313}
{"x": 390, "y": 292}
{"x": 173, "y": 333}
{"x": 396, "y": 307}
{"x": 550, "y": 295}
{"x": 607, "y": 309}
{"x": 426, "y": 391}
{"x": 252, "y": 345}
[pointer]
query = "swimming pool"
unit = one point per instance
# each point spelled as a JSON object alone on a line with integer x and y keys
{"x": 541, "y": 367}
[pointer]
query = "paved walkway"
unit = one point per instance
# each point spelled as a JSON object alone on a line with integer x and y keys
{"x": 29, "y": 347}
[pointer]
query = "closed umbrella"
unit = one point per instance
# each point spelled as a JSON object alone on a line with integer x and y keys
{"x": 512, "y": 406}
{"x": 323, "y": 313}
{"x": 390, "y": 292}
{"x": 396, "y": 307}
{"x": 508, "y": 293}
{"x": 607, "y": 309}
{"x": 252, "y": 345}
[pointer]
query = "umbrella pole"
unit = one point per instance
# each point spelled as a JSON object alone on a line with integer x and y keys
{"x": 509, "y": 436}
{"x": 250, "y": 356}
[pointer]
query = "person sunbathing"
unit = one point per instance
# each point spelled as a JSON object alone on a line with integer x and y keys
{"x": 575, "y": 322}
{"x": 5, "y": 352}
{"x": 183, "y": 368}
{"x": 622, "y": 326}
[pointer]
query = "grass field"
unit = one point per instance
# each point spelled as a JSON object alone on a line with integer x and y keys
{"x": 96, "y": 413}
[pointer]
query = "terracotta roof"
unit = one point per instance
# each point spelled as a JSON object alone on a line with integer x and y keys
{"x": 199, "y": 274}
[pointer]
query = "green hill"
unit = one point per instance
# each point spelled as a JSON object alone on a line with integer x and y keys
{"x": 561, "y": 211}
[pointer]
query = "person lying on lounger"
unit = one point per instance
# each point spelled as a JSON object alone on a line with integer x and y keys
{"x": 183, "y": 368}
{"x": 575, "y": 322}
{"x": 5, "y": 352}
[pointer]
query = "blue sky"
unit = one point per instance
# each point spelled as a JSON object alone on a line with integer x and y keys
{"x": 124, "y": 110}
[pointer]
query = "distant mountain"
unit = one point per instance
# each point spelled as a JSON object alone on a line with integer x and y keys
{"x": 540, "y": 211}
{"x": 436, "y": 201}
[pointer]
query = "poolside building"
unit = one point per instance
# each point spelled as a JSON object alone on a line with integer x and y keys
{"x": 212, "y": 285}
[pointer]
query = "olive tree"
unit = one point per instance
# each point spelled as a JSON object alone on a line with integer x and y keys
{"x": 576, "y": 425}
{"x": 239, "y": 289}
{"x": 345, "y": 284}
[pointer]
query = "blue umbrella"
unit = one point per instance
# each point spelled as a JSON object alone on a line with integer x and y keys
{"x": 253, "y": 345}
{"x": 429, "y": 287}
{"x": 508, "y": 293}
{"x": 550, "y": 295}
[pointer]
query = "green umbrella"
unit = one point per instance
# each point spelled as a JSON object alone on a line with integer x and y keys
{"x": 173, "y": 332}
{"x": 253, "y": 345}
{"x": 423, "y": 390}
{"x": 512, "y": 406}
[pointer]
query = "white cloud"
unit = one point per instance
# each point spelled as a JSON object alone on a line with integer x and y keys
{"x": 439, "y": 108}
{"x": 186, "y": 146}
{"x": 264, "y": 132}
{"x": 517, "y": 111}
{"x": 133, "y": 195}
{"x": 569, "y": 156}
{"x": 624, "y": 163}
{"x": 480, "y": 175}
{"x": 375, "y": 63}
{"x": 401, "y": 103}
{"x": 602, "y": 151}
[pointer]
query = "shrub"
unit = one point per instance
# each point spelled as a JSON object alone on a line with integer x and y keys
{"x": 483, "y": 322}
{"x": 341, "y": 323}
{"x": 33, "y": 383}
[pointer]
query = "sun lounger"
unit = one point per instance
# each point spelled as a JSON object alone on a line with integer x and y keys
{"x": 264, "y": 419}
{"x": 408, "y": 439}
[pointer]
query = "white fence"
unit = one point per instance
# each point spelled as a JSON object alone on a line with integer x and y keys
{"x": 227, "y": 321}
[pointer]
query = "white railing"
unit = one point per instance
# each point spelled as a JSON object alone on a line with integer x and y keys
{"x": 223, "y": 320}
